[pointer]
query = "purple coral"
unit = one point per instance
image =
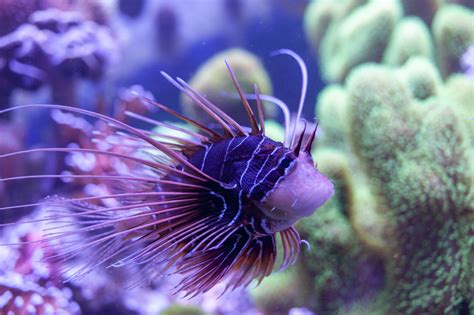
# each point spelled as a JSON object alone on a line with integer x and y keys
{"x": 28, "y": 286}
{"x": 55, "y": 48}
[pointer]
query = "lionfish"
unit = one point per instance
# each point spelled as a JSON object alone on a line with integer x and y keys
{"x": 207, "y": 205}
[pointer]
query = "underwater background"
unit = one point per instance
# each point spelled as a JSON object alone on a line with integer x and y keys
{"x": 391, "y": 83}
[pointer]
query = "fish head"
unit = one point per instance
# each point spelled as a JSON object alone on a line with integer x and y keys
{"x": 299, "y": 193}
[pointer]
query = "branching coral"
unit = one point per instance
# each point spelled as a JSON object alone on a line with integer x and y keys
{"x": 404, "y": 132}
{"x": 377, "y": 31}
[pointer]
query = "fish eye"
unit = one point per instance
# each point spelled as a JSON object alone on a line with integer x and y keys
{"x": 285, "y": 163}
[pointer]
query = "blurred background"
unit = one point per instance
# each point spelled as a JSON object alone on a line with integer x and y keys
{"x": 391, "y": 83}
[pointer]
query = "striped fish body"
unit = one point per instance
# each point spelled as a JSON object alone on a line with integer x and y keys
{"x": 209, "y": 206}
{"x": 252, "y": 166}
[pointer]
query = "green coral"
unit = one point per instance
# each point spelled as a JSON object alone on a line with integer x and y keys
{"x": 277, "y": 293}
{"x": 411, "y": 37}
{"x": 418, "y": 159}
{"x": 404, "y": 171}
{"x": 180, "y": 309}
{"x": 337, "y": 272}
{"x": 453, "y": 30}
{"x": 421, "y": 78}
{"x": 389, "y": 32}
{"x": 397, "y": 137}
{"x": 213, "y": 80}
{"x": 358, "y": 38}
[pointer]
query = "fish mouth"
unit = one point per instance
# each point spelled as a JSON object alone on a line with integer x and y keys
{"x": 276, "y": 219}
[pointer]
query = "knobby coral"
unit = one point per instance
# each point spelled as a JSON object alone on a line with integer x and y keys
{"x": 213, "y": 81}
{"x": 352, "y": 32}
{"x": 397, "y": 138}
{"x": 404, "y": 153}
{"x": 417, "y": 156}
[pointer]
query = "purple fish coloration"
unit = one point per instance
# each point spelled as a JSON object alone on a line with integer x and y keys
{"x": 207, "y": 204}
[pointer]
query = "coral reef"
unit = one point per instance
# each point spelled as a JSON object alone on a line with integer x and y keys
{"x": 55, "y": 48}
{"x": 28, "y": 286}
{"x": 453, "y": 33}
{"x": 277, "y": 293}
{"x": 337, "y": 271}
{"x": 178, "y": 309}
{"x": 349, "y": 33}
{"x": 213, "y": 80}
{"x": 402, "y": 159}
{"x": 397, "y": 139}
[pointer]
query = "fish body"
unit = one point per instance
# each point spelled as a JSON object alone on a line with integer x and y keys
{"x": 207, "y": 205}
